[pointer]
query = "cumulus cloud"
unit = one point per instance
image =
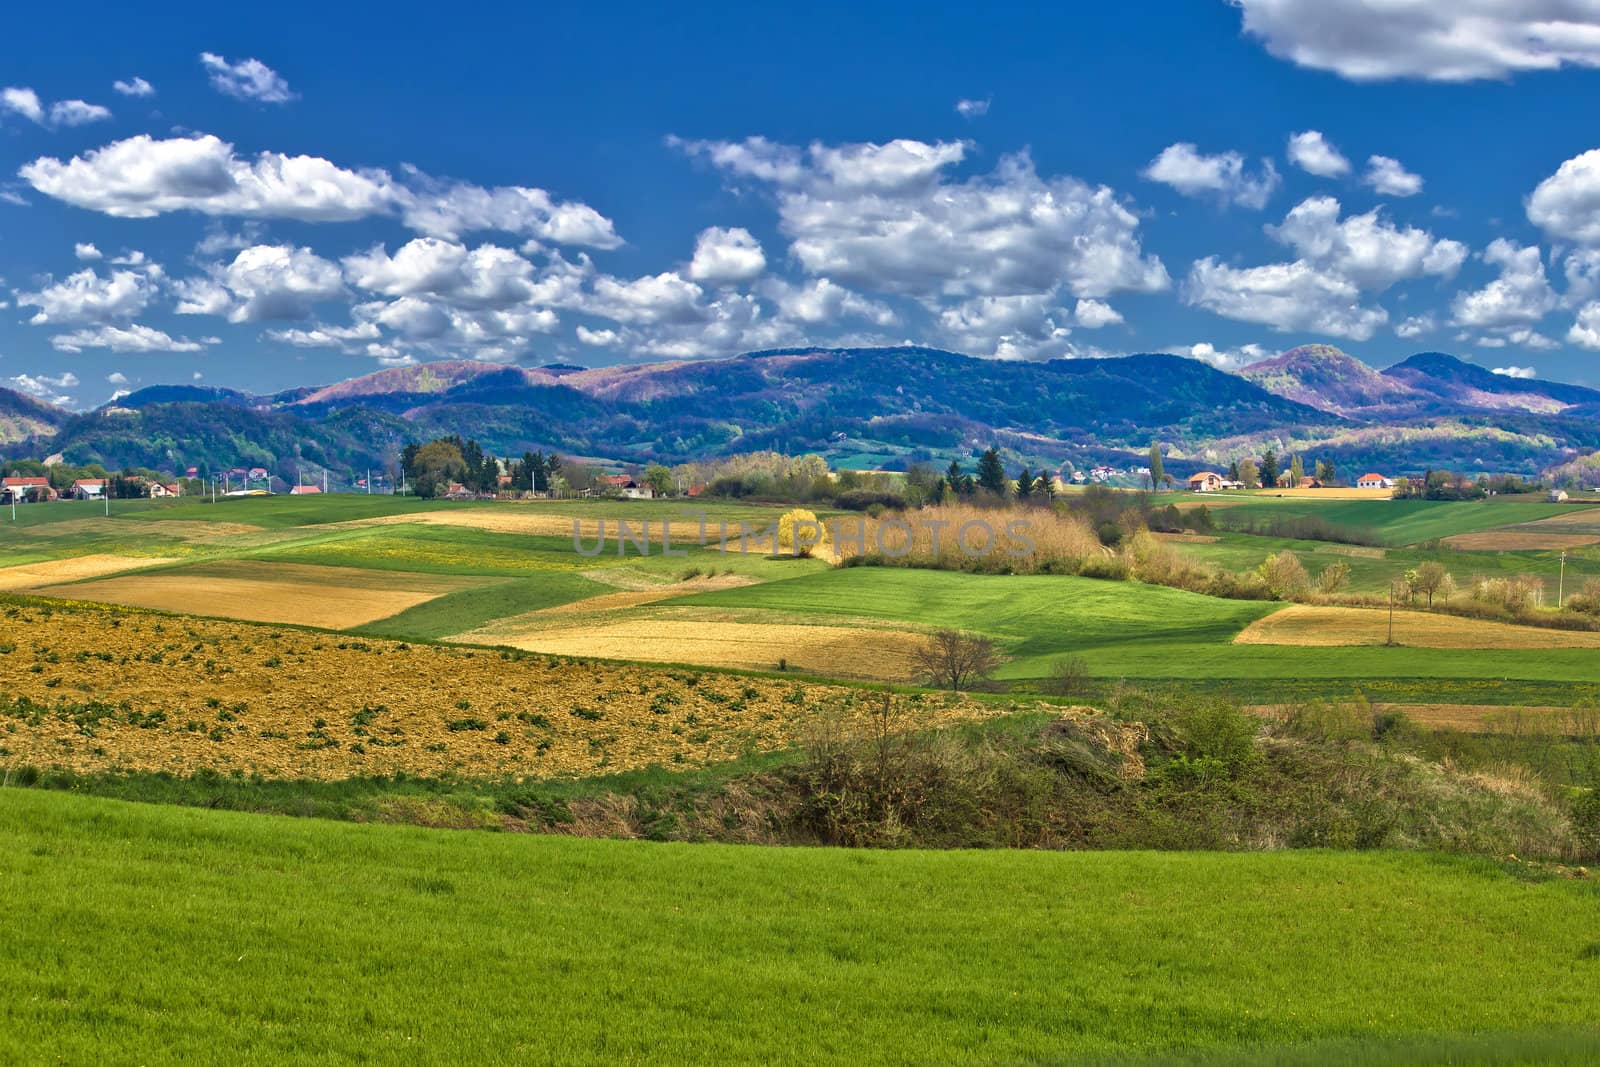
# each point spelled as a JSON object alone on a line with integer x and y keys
{"x": 1416, "y": 326}
{"x": 86, "y": 296}
{"x": 248, "y": 79}
{"x": 1517, "y": 372}
{"x": 134, "y": 87}
{"x": 44, "y": 387}
{"x": 726, "y": 256}
{"x": 822, "y": 301}
{"x": 1458, "y": 41}
{"x": 142, "y": 177}
{"x": 598, "y": 338}
{"x": 1520, "y": 297}
{"x": 131, "y": 338}
{"x": 1566, "y": 205}
{"x": 972, "y": 109}
{"x": 116, "y": 377}
{"x": 1312, "y": 153}
{"x": 1093, "y": 314}
{"x": 1193, "y": 173}
{"x": 1321, "y": 291}
{"x": 1228, "y": 359}
{"x": 26, "y": 102}
{"x": 1585, "y": 329}
{"x": 86, "y": 252}
{"x": 264, "y": 282}
{"x": 1390, "y": 178}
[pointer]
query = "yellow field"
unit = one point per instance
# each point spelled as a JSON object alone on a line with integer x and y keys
{"x": 1515, "y": 540}
{"x": 105, "y": 689}
{"x": 1329, "y": 494}
{"x": 1323, "y": 627}
{"x": 35, "y": 575}
{"x": 710, "y": 639}
{"x": 331, "y": 597}
{"x": 1480, "y": 718}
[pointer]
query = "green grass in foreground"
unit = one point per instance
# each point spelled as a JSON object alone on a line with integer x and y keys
{"x": 1397, "y": 522}
{"x": 148, "y": 934}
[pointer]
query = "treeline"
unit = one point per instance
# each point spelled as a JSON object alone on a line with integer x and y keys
{"x": 432, "y": 469}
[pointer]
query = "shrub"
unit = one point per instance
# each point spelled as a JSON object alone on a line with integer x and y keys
{"x": 1284, "y": 575}
{"x": 1069, "y": 677}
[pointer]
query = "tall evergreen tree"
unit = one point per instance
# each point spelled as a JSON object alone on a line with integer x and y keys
{"x": 991, "y": 473}
{"x": 1025, "y": 484}
{"x": 1269, "y": 470}
{"x": 1158, "y": 473}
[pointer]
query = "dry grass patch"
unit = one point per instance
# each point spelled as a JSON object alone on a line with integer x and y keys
{"x": 1474, "y": 718}
{"x": 702, "y": 638}
{"x": 1518, "y": 540}
{"x": 118, "y": 690}
{"x": 36, "y": 575}
{"x": 633, "y": 598}
{"x": 1185, "y": 538}
{"x": 1324, "y": 627}
{"x": 264, "y": 591}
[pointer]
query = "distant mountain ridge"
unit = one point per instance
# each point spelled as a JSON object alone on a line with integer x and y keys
{"x": 23, "y": 418}
{"x": 871, "y": 407}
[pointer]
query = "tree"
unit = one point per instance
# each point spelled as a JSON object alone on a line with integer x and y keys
{"x": 954, "y": 479}
{"x": 1233, "y": 471}
{"x": 1158, "y": 473}
{"x": 659, "y": 479}
{"x": 800, "y": 534}
{"x": 1284, "y": 575}
{"x": 1297, "y": 471}
{"x": 1326, "y": 473}
{"x": 1430, "y": 579}
{"x": 991, "y": 473}
{"x": 434, "y": 466}
{"x": 1249, "y": 477}
{"x": 955, "y": 661}
{"x": 1332, "y": 577}
{"x": 1269, "y": 469}
{"x": 1024, "y": 484}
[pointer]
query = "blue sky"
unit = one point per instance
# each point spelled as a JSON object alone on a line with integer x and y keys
{"x": 270, "y": 198}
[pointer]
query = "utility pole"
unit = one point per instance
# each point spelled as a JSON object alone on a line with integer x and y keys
{"x": 369, "y": 481}
{"x": 1390, "y": 642}
{"x": 1561, "y": 583}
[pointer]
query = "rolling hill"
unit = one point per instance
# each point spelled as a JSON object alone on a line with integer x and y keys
{"x": 866, "y": 406}
{"x": 22, "y": 417}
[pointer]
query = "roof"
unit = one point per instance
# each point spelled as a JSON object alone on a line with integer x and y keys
{"x": 1371, "y": 478}
{"x": 616, "y": 479}
{"x": 88, "y": 482}
{"x": 304, "y": 490}
{"x": 1198, "y": 475}
{"x": 27, "y": 483}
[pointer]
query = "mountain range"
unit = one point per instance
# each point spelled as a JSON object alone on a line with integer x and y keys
{"x": 860, "y": 407}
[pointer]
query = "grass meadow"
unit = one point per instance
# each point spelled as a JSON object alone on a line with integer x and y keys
{"x": 261, "y": 939}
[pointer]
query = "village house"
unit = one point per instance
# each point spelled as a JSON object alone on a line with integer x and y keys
{"x": 88, "y": 489}
{"x": 1373, "y": 481}
{"x": 305, "y": 490}
{"x": 1558, "y": 496}
{"x": 624, "y": 486}
{"x": 30, "y": 489}
{"x": 1205, "y": 482}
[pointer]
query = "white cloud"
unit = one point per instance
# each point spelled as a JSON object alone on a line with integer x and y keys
{"x": 822, "y": 301}
{"x": 726, "y": 256}
{"x": 485, "y": 277}
{"x": 1022, "y": 326}
{"x": 1566, "y": 205}
{"x": 1312, "y": 153}
{"x": 131, "y": 338}
{"x": 1366, "y": 249}
{"x": 598, "y": 338}
{"x": 26, "y": 102}
{"x": 972, "y": 109}
{"x": 355, "y": 337}
{"x": 1457, "y": 41}
{"x": 1228, "y": 359}
{"x": 43, "y": 387}
{"x": 88, "y": 297}
{"x": 1520, "y": 296}
{"x": 1322, "y": 290}
{"x": 116, "y": 377}
{"x": 264, "y": 282}
{"x": 134, "y": 87}
{"x": 1416, "y": 326}
{"x": 86, "y": 252}
{"x": 1287, "y": 296}
{"x": 1390, "y": 178}
{"x": 1517, "y": 372}
{"x": 1093, "y": 314}
{"x": 1585, "y": 329}
{"x": 1192, "y": 173}
{"x": 142, "y": 177}
{"x": 248, "y": 79}
{"x": 885, "y": 218}
{"x": 450, "y": 209}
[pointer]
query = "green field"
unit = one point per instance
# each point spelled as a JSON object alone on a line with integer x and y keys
{"x": 1395, "y": 522}
{"x": 152, "y": 934}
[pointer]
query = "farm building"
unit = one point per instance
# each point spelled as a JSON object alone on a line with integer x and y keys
{"x": 1373, "y": 481}
{"x": 305, "y": 490}
{"x": 624, "y": 486}
{"x": 1558, "y": 496}
{"x": 88, "y": 489}
{"x": 26, "y": 489}
{"x": 159, "y": 490}
{"x": 1205, "y": 482}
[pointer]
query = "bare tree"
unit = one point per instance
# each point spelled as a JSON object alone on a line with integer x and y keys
{"x": 1431, "y": 579}
{"x": 954, "y": 660}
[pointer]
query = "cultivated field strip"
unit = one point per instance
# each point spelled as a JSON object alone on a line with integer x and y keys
{"x": 100, "y": 689}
